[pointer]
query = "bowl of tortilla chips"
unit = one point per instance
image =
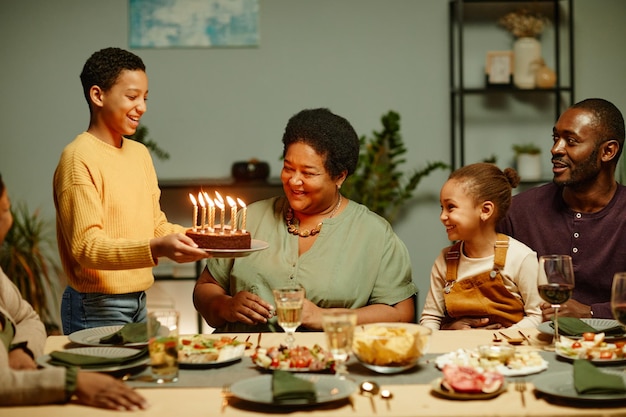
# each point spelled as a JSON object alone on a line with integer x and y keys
{"x": 390, "y": 347}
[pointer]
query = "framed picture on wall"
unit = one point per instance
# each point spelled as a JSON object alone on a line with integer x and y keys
{"x": 193, "y": 23}
{"x": 499, "y": 67}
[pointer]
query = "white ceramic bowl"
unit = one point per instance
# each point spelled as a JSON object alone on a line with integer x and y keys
{"x": 500, "y": 353}
{"x": 390, "y": 347}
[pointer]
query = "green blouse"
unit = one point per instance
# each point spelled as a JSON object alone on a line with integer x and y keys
{"x": 357, "y": 260}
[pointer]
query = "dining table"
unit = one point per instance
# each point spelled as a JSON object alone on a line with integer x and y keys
{"x": 203, "y": 391}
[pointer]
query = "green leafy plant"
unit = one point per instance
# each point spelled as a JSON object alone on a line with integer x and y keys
{"x": 26, "y": 258}
{"x": 141, "y": 135}
{"x": 528, "y": 148}
{"x": 378, "y": 182}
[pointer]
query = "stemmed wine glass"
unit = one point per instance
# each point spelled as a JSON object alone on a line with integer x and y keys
{"x": 618, "y": 297}
{"x": 556, "y": 283}
{"x": 339, "y": 330}
{"x": 289, "y": 302}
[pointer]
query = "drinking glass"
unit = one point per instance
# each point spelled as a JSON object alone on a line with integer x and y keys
{"x": 289, "y": 302}
{"x": 618, "y": 298}
{"x": 556, "y": 283}
{"x": 163, "y": 335}
{"x": 339, "y": 330}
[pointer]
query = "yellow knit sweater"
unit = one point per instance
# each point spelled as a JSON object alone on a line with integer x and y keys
{"x": 107, "y": 205}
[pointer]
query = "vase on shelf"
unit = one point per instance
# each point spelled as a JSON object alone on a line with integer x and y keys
{"x": 526, "y": 56}
{"x": 545, "y": 77}
{"x": 529, "y": 166}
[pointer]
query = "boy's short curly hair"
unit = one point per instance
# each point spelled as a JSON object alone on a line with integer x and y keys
{"x": 104, "y": 67}
{"x": 331, "y": 136}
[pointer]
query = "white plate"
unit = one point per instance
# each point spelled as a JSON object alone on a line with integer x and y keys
{"x": 259, "y": 390}
{"x": 256, "y": 245}
{"x": 598, "y": 361}
{"x": 561, "y": 384}
{"x": 106, "y": 352}
{"x": 436, "y": 387}
{"x": 91, "y": 337}
{"x": 598, "y": 324}
{"x": 227, "y": 355}
{"x": 444, "y": 359}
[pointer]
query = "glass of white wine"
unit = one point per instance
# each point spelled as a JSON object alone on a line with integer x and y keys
{"x": 556, "y": 283}
{"x": 289, "y": 302}
{"x": 339, "y": 330}
{"x": 618, "y": 297}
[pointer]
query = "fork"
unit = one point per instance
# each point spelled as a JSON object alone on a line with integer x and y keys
{"x": 520, "y": 386}
{"x": 226, "y": 395}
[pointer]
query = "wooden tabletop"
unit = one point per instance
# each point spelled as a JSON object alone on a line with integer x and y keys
{"x": 408, "y": 399}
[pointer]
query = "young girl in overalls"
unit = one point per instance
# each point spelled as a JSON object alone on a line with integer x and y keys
{"x": 485, "y": 279}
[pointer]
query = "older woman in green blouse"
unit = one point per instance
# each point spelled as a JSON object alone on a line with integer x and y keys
{"x": 344, "y": 255}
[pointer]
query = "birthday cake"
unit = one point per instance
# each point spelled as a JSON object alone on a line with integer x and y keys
{"x": 215, "y": 239}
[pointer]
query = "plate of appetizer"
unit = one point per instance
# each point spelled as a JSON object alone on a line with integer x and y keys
{"x": 593, "y": 347}
{"x": 468, "y": 383}
{"x": 205, "y": 351}
{"x": 295, "y": 359}
{"x": 503, "y": 359}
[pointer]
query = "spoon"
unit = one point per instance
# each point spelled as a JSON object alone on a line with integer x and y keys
{"x": 513, "y": 340}
{"x": 386, "y": 395}
{"x": 370, "y": 389}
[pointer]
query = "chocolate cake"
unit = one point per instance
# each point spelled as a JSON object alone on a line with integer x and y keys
{"x": 207, "y": 239}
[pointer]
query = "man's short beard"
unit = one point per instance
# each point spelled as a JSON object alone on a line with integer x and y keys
{"x": 584, "y": 173}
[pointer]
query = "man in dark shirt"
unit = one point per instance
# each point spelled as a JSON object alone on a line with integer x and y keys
{"x": 582, "y": 213}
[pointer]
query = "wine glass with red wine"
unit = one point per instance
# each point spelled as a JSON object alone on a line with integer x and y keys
{"x": 556, "y": 283}
{"x": 618, "y": 297}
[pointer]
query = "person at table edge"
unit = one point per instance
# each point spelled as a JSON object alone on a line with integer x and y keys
{"x": 344, "y": 255}
{"x": 582, "y": 213}
{"x": 22, "y": 339}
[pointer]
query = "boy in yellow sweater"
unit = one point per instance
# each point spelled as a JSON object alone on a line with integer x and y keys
{"x": 110, "y": 227}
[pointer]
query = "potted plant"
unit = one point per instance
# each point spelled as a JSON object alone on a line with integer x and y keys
{"x": 26, "y": 257}
{"x": 528, "y": 161}
{"x": 378, "y": 182}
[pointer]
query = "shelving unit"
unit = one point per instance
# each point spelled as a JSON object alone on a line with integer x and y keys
{"x": 464, "y": 13}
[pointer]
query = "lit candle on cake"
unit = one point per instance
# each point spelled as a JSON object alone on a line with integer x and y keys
{"x": 244, "y": 211}
{"x": 195, "y": 211}
{"x": 211, "y": 219}
{"x": 220, "y": 205}
{"x": 233, "y": 214}
{"x": 203, "y": 213}
{"x": 218, "y": 197}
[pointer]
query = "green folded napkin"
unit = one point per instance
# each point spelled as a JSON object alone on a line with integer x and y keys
{"x": 590, "y": 380}
{"x": 65, "y": 358}
{"x": 572, "y": 326}
{"x": 129, "y": 333}
{"x": 287, "y": 386}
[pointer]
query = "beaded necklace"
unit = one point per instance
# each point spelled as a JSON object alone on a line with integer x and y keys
{"x": 291, "y": 228}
